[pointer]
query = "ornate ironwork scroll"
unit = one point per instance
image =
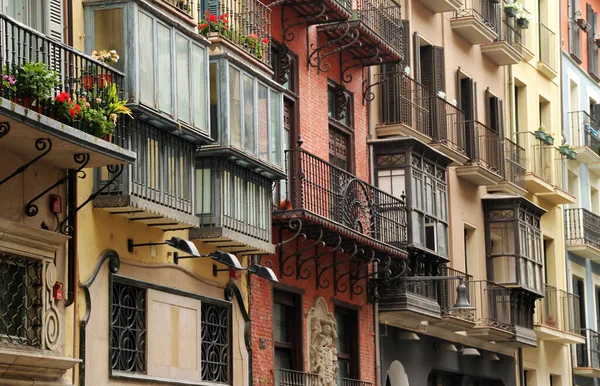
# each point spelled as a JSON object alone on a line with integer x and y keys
{"x": 65, "y": 226}
{"x": 128, "y": 328}
{"x": 348, "y": 38}
{"x": 320, "y": 270}
{"x": 44, "y": 145}
{"x": 215, "y": 337}
{"x": 371, "y": 58}
{"x": 81, "y": 159}
{"x": 4, "y": 129}
{"x": 318, "y": 16}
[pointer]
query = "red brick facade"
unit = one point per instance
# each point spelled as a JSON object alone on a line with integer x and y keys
{"x": 314, "y": 131}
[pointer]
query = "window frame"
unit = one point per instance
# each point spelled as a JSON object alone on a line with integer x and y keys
{"x": 349, "y": 314}
{"x": 295, "y": 326}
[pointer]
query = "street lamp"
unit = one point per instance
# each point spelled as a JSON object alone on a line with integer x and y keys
{"x": 175, "y": 242}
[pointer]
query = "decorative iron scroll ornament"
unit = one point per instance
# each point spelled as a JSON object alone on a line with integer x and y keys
{"x": 4, "y": 129}
{"x": 370, "y": 59}
{"x": 369, "y": 95}
{"x": 81, "y": 159}
{"x": 44, "y": 145}
{"x": 341, "y": 102}
{"x": 347, "y": 39}
{"x": 66, "y": 227}
{"x": 284, "y": 64}
{"x": 319, "y": 15}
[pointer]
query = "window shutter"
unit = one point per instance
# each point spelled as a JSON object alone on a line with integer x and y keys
{"x": 595, "y": 112}
{"x": 417, "y": 51}
{"x": 405, "y": 44}
{"x": 439, "y": 78}
{"x": 500, "y": 130}
{"x": 589, "y": 17}
{"x": 55, "y": 20}
{"x": 426, "y": 70}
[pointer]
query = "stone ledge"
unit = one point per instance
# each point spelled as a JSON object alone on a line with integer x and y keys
{"x": 29, "y": 367}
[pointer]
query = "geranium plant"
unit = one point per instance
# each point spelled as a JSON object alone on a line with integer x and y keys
{"x": 9, "y": 83}
{"x": 67, "y": 109}
{"x": 214, "y": 23}
{"x": 255, "y": 45}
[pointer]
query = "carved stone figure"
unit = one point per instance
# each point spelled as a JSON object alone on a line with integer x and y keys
{"x": 322, "y": 334}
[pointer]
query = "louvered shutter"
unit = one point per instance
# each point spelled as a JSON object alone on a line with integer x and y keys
{"x": 501, "y": 135}
{"x": 439, "y": 78}
{"x": 468, "y": 104}
{"x": 417, "y": 51}
{"x": 55, "y": 20}
{"x": 405, "y": 44}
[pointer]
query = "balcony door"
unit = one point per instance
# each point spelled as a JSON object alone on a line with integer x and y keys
{"x": 579, "y": 290}
{"x": 467, "y": 99}
{"x": 44, "y": 16}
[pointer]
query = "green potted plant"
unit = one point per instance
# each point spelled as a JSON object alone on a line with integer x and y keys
{"x": 523, "y": 19}
{"x": 540, "y": 133}
{"x": 512, "y": 9}
{"x": 256, "y": 46}
{"x": 572, "y": 154}
{"x": 115, "y": 108}
{"x": 564, "y": 149}
{"x": 35, "y": 83}
{"x": 549, "y": 139}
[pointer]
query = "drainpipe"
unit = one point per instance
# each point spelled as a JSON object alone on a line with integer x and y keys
{"x": 521, "y": 373}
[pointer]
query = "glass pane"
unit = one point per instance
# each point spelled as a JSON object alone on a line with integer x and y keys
{"x": 392, "y": 182}
{"x": 442, "y": 241}
{"x": 109, "y": 32}
{"x": 18, "y": 10}
{"x": 183, "y": 79}
{"x": 283, "y": 360}
{"x": 263, "y": 117}
{"x": 330, "y": 103}
{"x": 275, "y": 128}
{"x": 214, "y": 101}
{"x": 281, "y": 323}
{"x": 235, "y": 124}
{"x": 417, "y": 228}
{"x": 343, "y": 334}
{"x": 164, "y": 69}
{"x": 417, "y": 190}
{"x": 249, "y": 129}
{"x": 203, "y": 191}
{"x": 504, "y": 269}
{"x": 146, "y": 45}
{"x": 199, "y": 87}
{"x": 502, "y": 238}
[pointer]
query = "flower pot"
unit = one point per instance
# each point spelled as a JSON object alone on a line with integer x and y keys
{"x": 541, "y": 135}
{"x": 104, "y": 80}
{"x": 88, "y": 81}
{"x": 549, "y": 140}
{"x": 572, "y": 154}
{"x": 108, "y": 137}
{"x": 564, "y": 150}
{"x": 583, "y": 24}
{"x": 27, "y": 102}
{"x": 285, "y": 205}
{"x": 510, "y": 12}
{"x": 523, "y": 23}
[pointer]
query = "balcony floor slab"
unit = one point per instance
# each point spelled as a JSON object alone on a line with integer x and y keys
{"x": 228, "y": 240}
{"x": 478, "y": 175}
{"x": 506, "y": 187}
{"x": 34, "y": 366}
{"x": 546, "y": 70}
{"x": 473, "y": 30}
{"x": 553, "y": 334}
{"x": 459, "y": 158}
{"x": 502, "y": 53}
{"x": 588, "y": 372}
{"x": 142, "y": 211}
{"x": 27, "y": 126}
{"x": 558, "y": 197}
{"x": 586, "y": 155}
{"x": 442, "y": 5}
{"x": 490, "y": 333}
{"x": 401, "y": 130}
{"x": 536, "y": 184}
{"x": 585, "y": 251}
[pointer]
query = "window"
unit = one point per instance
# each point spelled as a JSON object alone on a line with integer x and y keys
{"x": 287, "y": 333}
{"x": 215, "y": 343}
{"x": 347, "y": 340}
{"x": 339, "y": 105}
{"x": 592, "y": 48}
{"x": 574, "y": 32}
{"x": 167, "y": 74}
{"x": 250, "y": 113}
{"x": 20, "y": 300}
{"x": 427, "y": 201}
{"x": 285, "y": 66}
{"x": 338, "y": 148}
{"x": 128, "y": 328}
{"x": 514, "y": 243}
{"x": 31, "y": 12}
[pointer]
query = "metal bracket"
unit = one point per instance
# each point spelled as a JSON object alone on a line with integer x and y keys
{"x": 338, "y": 285}
{"x": 320, "y": 271}
{"x": 82, "y": 159}
{"x": 42, "y": 144}
{"x": 372, "y": 58}
{"x": 348, "y": 33}
{"x": 4, "y": 129}
{"x": 65, "y": 227}
{"x": 318, "y": 17}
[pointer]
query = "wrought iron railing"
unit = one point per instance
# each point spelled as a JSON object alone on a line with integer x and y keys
{"x": 449, "y": 295}
{"x": 561, "y": 167}
{"x": 383, "y": 18}
{"x": 547, "y": 42}
{"x": 332, "y": 193}
{"x": 162, "y": 170}
{"x": 404, "y": 101}
{"x": 582, "y": 227}
{"x": 20, "y": 300}
{"x": 352, "y": 382}
{"x": 514, "y": 163}
{"x": 285, "y": 377}
{"x": 558, "y": 309}
{"x": 539, "y": 156}
{"x": 80, "y": 75}
{"x": 492, "y": 304}
{"x": 509, "y": 33}
{"x": 483, "y": 10}
{"x": 244, "y": 203}
{"x": 483, "y": 146}
{"x": 588, "y": 353}
{"x": 448, "y": 124}
{"x": 185, "y": 6}
{"x": 246, "y": 23}
{"x": 585, "y": 131}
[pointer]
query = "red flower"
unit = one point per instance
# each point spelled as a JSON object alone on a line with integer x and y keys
{"x": 226, "y": 14}
{"x": 220, "y": 17}
{"x": 206, "y": 13}
{"x": 72, "y": 112}
{"x": 265, "y": 41}
{"x": 212, "y": 18}
{"x": 203, "y": 25}
{"x": 63, "y": 97}
{"x": 253, "y": 36}
{"x": 78, "y": 108}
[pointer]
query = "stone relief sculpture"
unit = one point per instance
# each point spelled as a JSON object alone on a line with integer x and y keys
{"x": 322, "y": 334}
